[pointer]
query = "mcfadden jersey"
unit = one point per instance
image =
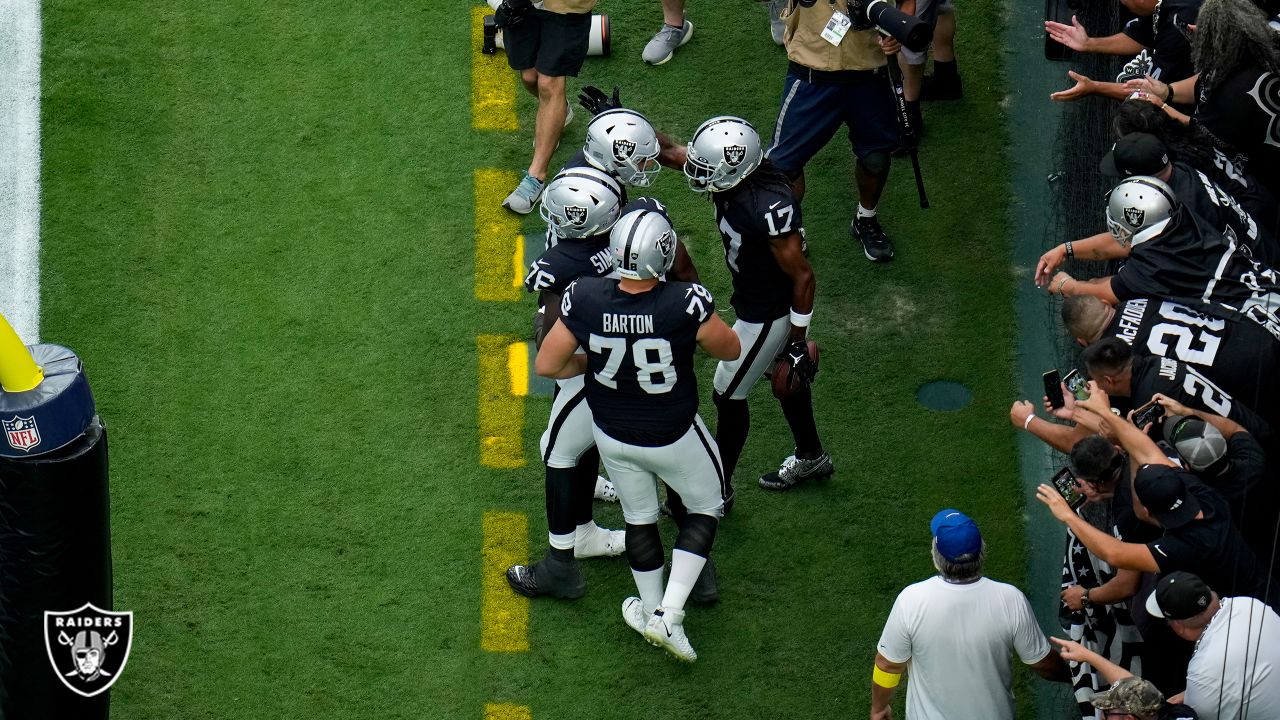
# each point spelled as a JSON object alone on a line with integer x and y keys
{"x": 750, "y": 216}
{"x": 640, "y": 381}
{"x": 1240, "y": 357}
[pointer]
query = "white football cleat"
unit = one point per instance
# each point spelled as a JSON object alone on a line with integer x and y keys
{"x": 666, "y": 630}
{"x": 599, "y": 542}
{"x": 633, "y": 612}
{"x": 605, "y": 490}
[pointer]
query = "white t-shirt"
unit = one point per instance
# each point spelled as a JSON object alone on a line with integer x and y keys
{"x": 1237, "y": 657}
{"x": 958, "y": 639}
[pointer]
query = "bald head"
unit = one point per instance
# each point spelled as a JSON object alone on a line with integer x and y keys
{"x": 1085, "y": 317}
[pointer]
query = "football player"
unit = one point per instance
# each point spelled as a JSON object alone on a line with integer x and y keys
{"x": 1175, "y": 253}
{"x": 640, "y": 334}
{"x": 773, "y": 287}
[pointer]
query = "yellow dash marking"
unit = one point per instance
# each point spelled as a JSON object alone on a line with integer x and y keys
{"x": 517, "y": 264}
{"x": 507, "y": 712}
{"x": 497, "y": 237}
{"x": 518, "y": 368}
{"x": 500, "y": 411}
{"x": 504, "y": 615}
{"x": 493, "y": 82}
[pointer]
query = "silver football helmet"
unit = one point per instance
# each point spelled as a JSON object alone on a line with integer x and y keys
{"x": 581, "y": 202}
{"x": 722, "y": 151}
{"x": 643, "y": 244}
{"x": 1136, "y": 204}
{"x": 623, "y": 142}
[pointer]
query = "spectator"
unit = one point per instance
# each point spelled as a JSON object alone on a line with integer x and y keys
{"x": 946, "y": 83}
{"x": 676, "y": 31}
{"x": 547, "y": 44}
{"x": 1198, "y": 535}
{"x": 1235, "y": 90}
{"x": 1160, "y": 27}
{"x": 828, "y": 86}
{"x": 777, "y": 26}
{"x": 1133, "y": 697}
{"x": 1234, "y": 672}
{"x": 957, "y": 631}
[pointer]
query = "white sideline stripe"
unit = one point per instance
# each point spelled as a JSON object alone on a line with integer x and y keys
{"x": 20, "y": 166}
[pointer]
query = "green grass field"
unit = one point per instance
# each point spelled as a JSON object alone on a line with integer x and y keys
{"x": 258, "y": 233}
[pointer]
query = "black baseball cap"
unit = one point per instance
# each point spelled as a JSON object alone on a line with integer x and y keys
{"x": 1162, "y": 490}
{"x": 1178, "y": 596}
{"x": 1135, "y": 154}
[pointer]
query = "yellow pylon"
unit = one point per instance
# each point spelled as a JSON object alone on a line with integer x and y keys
{"x": 18, "y": 370}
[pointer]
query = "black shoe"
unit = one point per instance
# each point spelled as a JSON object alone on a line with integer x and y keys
{"x": 875, "y": 244}
{"x": 795, "y": 470}
{"x": 549, "y": 577}
{"x": 936, "y": 88}
{"x": 706, "y": 590}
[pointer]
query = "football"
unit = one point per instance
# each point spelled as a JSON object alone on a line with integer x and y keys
{"x": 784, "y": 385}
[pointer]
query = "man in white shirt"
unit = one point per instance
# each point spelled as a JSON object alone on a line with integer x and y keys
{"x": 1235, "y": 672}
{"x": 956, "y": 632}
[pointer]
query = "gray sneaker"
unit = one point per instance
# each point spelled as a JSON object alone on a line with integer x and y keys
{"x": 777, "y": 26}
{"x": 795, "y": 470}
{"x": 522, "y": 199}
{"x": 664, "y": 44}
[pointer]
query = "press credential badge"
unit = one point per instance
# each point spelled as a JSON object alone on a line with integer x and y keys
{"x": 836, "y": 28}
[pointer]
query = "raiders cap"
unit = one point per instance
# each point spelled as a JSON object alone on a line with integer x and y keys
{"x": 1178, "y": 596}
{"x": 1163, "y": 491}
{"x": 1135, "y": 154}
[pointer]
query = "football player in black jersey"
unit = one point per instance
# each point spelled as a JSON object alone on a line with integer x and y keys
{"x": 1176, "y": 253}
{"x": 773, "y": 289}
{"x": 640, "y": 333}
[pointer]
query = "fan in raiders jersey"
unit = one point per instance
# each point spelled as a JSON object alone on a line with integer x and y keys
{"x": 1143, "y": 154}
{"x": 773, "y": 288}
{"x": 640, "y": 333}
{"x": 1240, "y": 357}
{"x": 1175, "y": 253}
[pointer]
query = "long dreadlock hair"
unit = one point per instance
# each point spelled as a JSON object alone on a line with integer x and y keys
{"x": 1228, "y": 33}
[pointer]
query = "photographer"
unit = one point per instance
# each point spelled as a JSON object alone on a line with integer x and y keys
{"x": 545, "y": 43}
{"x": 838, "y": 79}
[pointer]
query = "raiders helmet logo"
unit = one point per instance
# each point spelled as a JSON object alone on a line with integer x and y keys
{"x": 665, "y": 243}
{"x": 21, "y": 432}
{"x": 89, "y": 647}
{"x": 576, "y": 215}
{"x": 1134, "y": 216}
{"x": 623, "y": 150}
{"x": 735, "y": 154}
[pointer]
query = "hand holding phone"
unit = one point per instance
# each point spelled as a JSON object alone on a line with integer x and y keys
{"x": 1053, "y": 389}
{"x": 1147, "y": 414}
{"x": 1065, "y": 483}
{"x": 1077, "y": 385}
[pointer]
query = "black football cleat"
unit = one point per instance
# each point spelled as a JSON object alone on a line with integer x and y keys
{"x": 549, "y": 577}
{"x": 875, "y": 244}
{"x": 936, "y": 88}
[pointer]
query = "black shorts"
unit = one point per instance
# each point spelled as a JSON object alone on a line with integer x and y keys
{"x": 555, "y": 44}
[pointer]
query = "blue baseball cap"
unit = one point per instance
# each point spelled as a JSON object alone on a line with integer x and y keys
{"x": 957, "y": 535}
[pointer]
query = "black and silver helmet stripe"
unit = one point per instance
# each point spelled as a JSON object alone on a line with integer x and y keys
{"x": 626, "y": 251}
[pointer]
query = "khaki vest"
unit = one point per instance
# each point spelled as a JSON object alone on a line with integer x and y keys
{"x": 569, "y": 6}
{"x": 859, "y": 50}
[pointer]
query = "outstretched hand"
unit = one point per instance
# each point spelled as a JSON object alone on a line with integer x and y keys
{"x": 1073, "y": 36}
{"x": 1084, "y": 86}
{"x": 596, "y": 101}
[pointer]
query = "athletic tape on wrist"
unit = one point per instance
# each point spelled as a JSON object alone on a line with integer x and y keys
{"x": 885, "y": 679}
{"x": 800, "y": 319}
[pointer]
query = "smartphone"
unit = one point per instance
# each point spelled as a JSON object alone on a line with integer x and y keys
{"x": 1053, "y": 389}
{"x": 1077, "y": 385}
{"x": 1065, "y": 483}
{"x": 1148, "y": 413}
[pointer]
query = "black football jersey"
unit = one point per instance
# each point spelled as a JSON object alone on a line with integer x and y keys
{"x": 1190, "y": 387}
{"x": 749, "y": 217}
{"x": 568, "y": 261}
{"x": 1242, "y": 115}
{"x": 1165, "y": 31}
{"x": 578, "y": 160}
{"x": 1219, "y": 207}
{"x": 640, "y": 350}
{"x": 1252, "y": 195}
{"x": 1240, "y": 357}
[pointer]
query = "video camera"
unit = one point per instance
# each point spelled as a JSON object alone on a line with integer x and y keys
{"x": 914, "y": 33}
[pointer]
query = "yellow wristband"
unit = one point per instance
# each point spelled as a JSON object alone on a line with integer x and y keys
{"x": 885, "y": 679}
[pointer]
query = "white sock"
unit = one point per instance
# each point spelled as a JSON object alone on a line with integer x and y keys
{"x": 649, "y": 583}
{"x": 560, "y": 542}
{"x": 585, "y": 531}
{"x": 865, "y": 213}
{"x": 685, "y": 569}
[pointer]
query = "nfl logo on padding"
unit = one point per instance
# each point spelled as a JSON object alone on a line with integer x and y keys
{"x": 89, "y": 647}
{"x": 21, "y": 432}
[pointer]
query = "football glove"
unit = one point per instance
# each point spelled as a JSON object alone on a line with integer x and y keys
{"x": 595, "y": 101}
{"x": 511, "y": 12}
{"x": 801, "y": 369}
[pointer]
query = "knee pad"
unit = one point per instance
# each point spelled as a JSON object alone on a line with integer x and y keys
{"x": 644, "y": 547}
{"x": 697, "y": 534}
{"x": 876, "y": 163}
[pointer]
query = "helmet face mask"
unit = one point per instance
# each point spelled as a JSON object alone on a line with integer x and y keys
{"x": 581, "y": 202}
